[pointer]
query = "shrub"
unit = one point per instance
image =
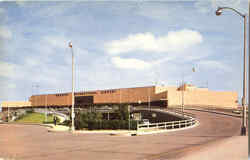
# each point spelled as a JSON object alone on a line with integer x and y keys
{"x": 81, "y": 120}
{"x": 105, "y": 124}
{"x": 133, "y": 125}
{"x": 30, "y": 110}
{"x": 20, "y": 117}
{"x": 93, "y": 120}
{"x": 123, "y": 124}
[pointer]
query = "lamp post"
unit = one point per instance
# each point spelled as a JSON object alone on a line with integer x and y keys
{"x": 182, "y": 97}
{"x": 46, "y": 109}
{"x": 248, "y": 71}
{"x": 8, "y": 112}
{"x": 129, "y": 117}
{"x": 149, "y": 105}
{"x": 219, "y": 12}
{"x": 73, "y": 96}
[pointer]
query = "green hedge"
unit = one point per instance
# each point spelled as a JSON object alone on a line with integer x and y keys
{"x": 84, "y": 120}
{"x": 106, "y": 124}
{"x": 95, "y": 121}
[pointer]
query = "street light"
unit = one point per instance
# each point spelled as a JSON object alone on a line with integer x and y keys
{"x": 46, "y": 109}
{"x": 129, "y": 117}
{"x": 8, "y": 112}
{"x": 182, "y": 95}
{"x": 149, "y": 92}
{"x": 248, "y": 71}
{"x": 73, "y": 96}
{"x": 219, "y": 12}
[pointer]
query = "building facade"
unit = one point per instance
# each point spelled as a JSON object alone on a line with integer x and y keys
{"x": 151, "y": 96}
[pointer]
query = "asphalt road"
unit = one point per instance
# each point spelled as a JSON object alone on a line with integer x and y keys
{"x": 24, "y": 142}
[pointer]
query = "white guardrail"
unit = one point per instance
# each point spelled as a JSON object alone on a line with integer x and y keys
{"x": 169, "y": 125}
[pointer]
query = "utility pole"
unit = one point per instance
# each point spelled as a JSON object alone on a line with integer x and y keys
{"x": 248, "y": 67}
{"x": 243, "y": 128}
{"x": 149, "y": 105}
{"x": 8, "y": 112}
{"x": 46, "y": 103}
{"x": 129, "y": 117}
{"x": 73, "y": 96}
{"x": 182, "y": 95}
{"x": 244, "y": 16}
{"x": 120, "y": 96}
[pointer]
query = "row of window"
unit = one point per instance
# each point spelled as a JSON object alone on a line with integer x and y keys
{"x": 107, "y": 91}
{"x": 62, "y": 94}
{"x": 84, "y": 93}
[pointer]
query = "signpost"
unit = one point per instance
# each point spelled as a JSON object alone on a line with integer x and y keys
{"x": 129, "y": 117}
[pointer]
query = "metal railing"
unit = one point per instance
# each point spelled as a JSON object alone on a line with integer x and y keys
{"x": 188, "y": 121}
{"x": 168, "y": 125}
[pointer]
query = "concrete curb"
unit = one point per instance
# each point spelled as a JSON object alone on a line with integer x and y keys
{"x": 109, "y": 132}
{"x": 37, "y": 124}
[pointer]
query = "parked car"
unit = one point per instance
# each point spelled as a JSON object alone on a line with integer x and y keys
{"x": 236, "y": 111}
{"x": 145, "y": 121}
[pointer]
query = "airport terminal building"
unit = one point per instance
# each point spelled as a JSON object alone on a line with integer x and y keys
{"x": 153, "y": 96}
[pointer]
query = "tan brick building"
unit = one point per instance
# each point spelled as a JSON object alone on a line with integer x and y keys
{"x": 164, "y": 96}
{"x": 13, "y": 104}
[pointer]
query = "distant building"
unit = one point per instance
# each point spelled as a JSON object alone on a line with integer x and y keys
{"x": 14, "y": 104}
{"x": 150, "y": 96}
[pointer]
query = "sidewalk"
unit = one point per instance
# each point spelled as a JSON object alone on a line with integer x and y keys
{"x": 57, "y": 128}
{"x": 234, "y": 148}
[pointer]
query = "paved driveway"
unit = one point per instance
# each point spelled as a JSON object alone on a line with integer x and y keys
{"x": 24, "y": 142}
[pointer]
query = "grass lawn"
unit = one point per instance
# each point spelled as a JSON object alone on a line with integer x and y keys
{"x": 35, "y": 118}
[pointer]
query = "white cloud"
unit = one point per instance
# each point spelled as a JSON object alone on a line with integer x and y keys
{"x": 157, "y": 11}
{"x": 232, "y": 3}
{"x": 204, "y": 6}
{"x": 174, "y": 41}
{"x": 5, "y": 33}
{"x": 11, "y": 85}
{"x": 130, "y": 63}
{"x": 61, "y": 42}
{"x": 21, "y": 3}
{"x": 207, "y": 6}
{"x": 2, "y": 11}
{"x": 31, "y": 62}
{"x": 56, "y": 41}
{"x": 7, "y": 70}
{"x": 211, "y": 64}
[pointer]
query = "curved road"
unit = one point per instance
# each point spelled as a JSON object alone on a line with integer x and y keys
{"x": 25, "y": 142}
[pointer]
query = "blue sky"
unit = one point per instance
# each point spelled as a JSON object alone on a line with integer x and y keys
{"x": 118, "y": 44}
